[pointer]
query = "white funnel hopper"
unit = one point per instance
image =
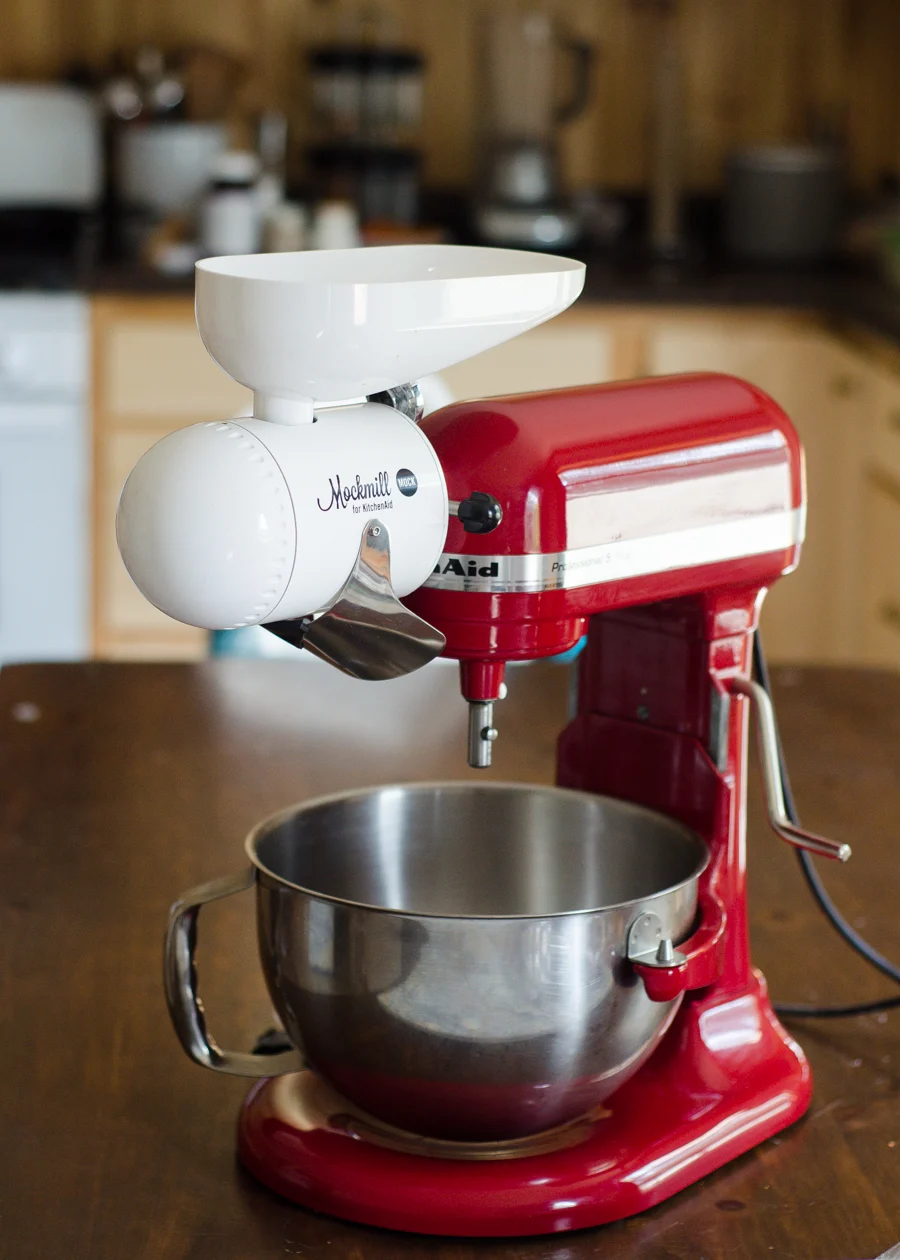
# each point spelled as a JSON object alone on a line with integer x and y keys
{"x": 337, "y": 324}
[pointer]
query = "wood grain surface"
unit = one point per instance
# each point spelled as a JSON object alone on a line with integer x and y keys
{"x": 754, "y": 71}
{"x": 123, "y": 785}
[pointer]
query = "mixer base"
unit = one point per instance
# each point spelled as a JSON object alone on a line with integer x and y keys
{"x": 725, "y": 1077}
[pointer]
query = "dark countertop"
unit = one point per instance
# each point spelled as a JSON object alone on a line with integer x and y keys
{"x": 839, "y": 292}
{"x": 55, "y": 251}
{"x": 841, "y": 289}
{"x": 123, "y": 785}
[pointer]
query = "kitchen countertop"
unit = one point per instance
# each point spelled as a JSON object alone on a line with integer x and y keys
{"x": 842, "y": 292}
{"x": 123, "y": 785}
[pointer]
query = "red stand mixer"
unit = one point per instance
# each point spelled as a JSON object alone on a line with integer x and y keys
{"x": 647, "y": 519}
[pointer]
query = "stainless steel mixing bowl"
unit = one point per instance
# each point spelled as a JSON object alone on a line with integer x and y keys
{"x": 452, "y": 957}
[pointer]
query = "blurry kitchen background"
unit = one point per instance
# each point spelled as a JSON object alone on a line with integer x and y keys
{"x": 729, "y": 169}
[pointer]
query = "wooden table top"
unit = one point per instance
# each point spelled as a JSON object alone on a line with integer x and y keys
{"x": 123, "y": 785}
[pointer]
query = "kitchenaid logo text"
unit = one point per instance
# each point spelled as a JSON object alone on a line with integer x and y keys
{"x": 376, "y": 495}
{"x": 461, "y": 567}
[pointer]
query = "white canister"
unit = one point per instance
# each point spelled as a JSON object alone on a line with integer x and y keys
{"x": 165, "y": 167}
{"x": 231, "y": 214}
{"x": 335, "y": 226}
{"x": 285, "y": 228}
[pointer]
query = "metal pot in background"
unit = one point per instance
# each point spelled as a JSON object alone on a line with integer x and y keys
{"x": 782, "y": 203}
{"x": 454, "y": 959}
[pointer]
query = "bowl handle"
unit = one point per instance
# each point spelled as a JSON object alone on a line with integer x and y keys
{"x": 668, "y": 972}
{"x": 180, "y": 978}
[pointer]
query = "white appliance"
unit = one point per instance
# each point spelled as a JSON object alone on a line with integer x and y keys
{"x": 266, "y": 519}
{"x": 165, "y": 167}
{"x": 50, "y": 147}
{"x": 44, "y": 477}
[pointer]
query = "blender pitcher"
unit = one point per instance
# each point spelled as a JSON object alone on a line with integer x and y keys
{"x": 523, "y": 56}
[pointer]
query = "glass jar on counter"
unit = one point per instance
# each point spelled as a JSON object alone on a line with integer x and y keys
{"x": 231, "y": 213}
{"x": 366, "y": 93}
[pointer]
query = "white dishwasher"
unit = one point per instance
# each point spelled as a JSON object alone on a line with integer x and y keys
{"x": 44, "y": 477}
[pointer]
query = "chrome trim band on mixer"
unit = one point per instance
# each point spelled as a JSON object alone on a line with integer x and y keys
{"x": 626, "y": 558}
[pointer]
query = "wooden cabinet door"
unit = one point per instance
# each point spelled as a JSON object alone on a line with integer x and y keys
{"x": 132, "y": 627}
{"x": 811, "y": 614}
{"x": 879, "y": 549}
{"x": 761, "y": 348}
{"x": 884, "y": 445}
{"x": 575, "y": 349}
{"x": 151, "y": 375}
{"x": 881, "y": 582}
{"x": 154, "y": 368}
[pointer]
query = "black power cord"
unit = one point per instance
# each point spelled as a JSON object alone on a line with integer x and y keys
{"x": 817, "y": 888}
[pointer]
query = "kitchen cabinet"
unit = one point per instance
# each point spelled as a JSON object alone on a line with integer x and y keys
{"x": 884, "y": 447}
{"x": 880, "y": 541}
{"x": 812, "y": 615}
{"x": 151, "y": 375}
{"x": 881, "y": 586}
{"x": 574, "y": 349}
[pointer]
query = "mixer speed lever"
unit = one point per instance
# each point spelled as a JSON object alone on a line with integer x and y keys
{"x": 767, "y": 742}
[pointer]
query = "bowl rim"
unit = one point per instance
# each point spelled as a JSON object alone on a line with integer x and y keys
{"x": 272, "y": 821}
{"x": 309, "y": 272}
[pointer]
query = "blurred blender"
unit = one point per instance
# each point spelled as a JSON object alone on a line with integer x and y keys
{"x": 366, "y": 96}
{"x": 524, "y": 61}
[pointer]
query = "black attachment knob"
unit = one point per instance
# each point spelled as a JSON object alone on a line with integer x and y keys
{"x": 480, "y": 513}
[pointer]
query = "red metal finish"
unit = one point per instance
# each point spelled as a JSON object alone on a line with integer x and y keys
{"x": 538, "y": 454}
{"x": 482, "y": 680}
{"x": 643, "y": 733}
{"x": 725, "y": 1077}
{"x": 655, "y": 724}
{"x": 534, "y": 451}
{"x": 527, "y": 627}
{"x": 703, "y": 953}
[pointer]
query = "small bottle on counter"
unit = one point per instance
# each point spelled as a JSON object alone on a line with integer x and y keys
{"x": 272, "y": 146}
{"x": 335, "y": 226}
{"x": 230, "y": 214}
{"x": 286, "y": 228}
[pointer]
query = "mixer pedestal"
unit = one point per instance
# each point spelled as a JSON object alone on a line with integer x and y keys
{"x": 725, "y": 1077}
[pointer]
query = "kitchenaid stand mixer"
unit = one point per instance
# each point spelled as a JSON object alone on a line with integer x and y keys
{"x": 650, "y": 516}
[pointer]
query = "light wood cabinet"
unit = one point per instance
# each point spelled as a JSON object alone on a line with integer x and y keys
{"x": 881, "y": 583}
{"x": 127, "y": 615}
{"x": 884, "y": 445}
{"x": 880, "y": 540}
{"x": 572, "y": 350}
{"x": 812, "y": 615}
{"x": 151, "y": 375}
{"x": 156, "y": 367}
